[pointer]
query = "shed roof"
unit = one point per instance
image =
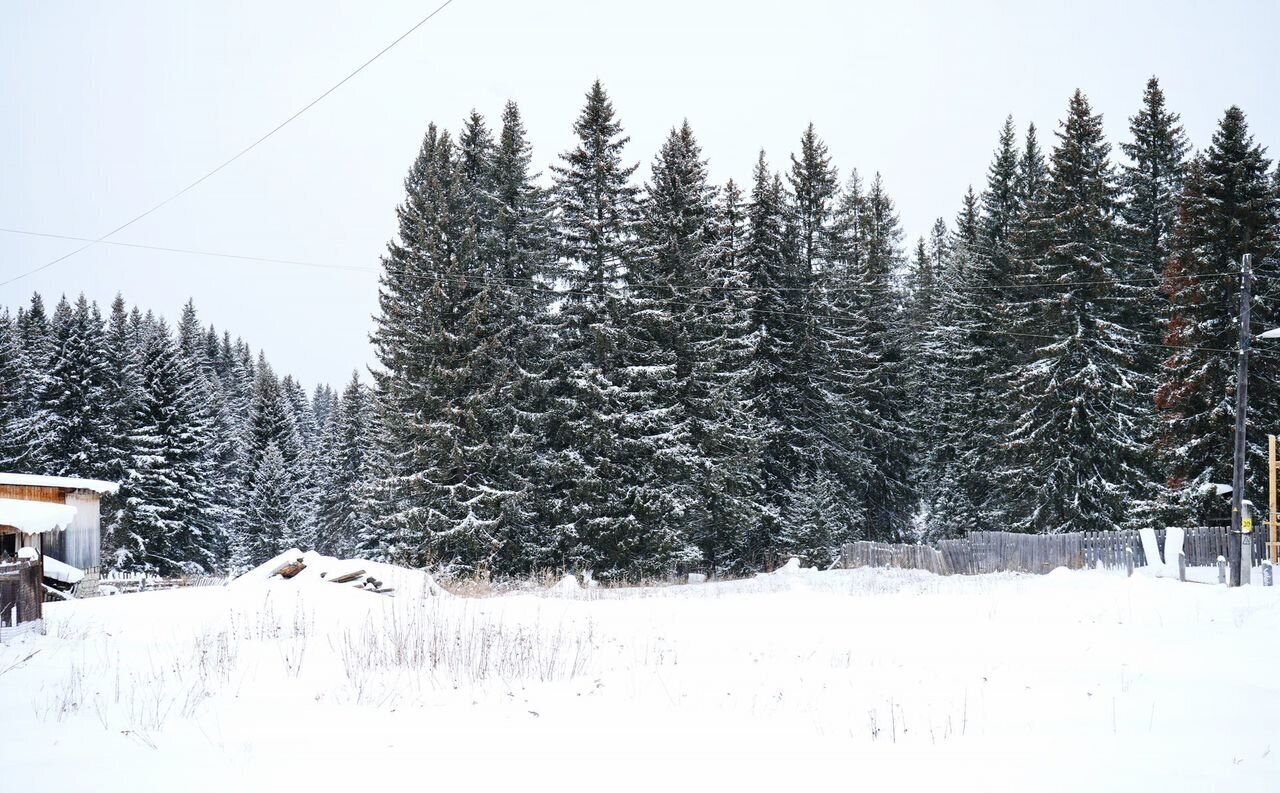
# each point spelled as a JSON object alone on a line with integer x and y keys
{"x": 35, "y": 517}
{"x": 64, "y": 482}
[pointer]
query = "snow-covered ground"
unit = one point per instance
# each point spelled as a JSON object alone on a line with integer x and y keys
{"x": 1066, "y": 682}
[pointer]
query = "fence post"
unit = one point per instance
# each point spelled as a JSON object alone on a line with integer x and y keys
{"x": 1182, "y": 566}
{"x": 1246, "y": 559}
{"x": 1267, "y": 574}
{"x": 1128, "y": 561}
{"x": 1222, "y": 569}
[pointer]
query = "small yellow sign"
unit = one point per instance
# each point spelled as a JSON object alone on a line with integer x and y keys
{"x": 1246, "y": 525}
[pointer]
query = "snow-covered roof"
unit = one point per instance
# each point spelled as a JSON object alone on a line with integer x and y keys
{"x": 1218, "y": 489}
{"x": 35, "y": 517}
{"x": 65, "y": 482}
{"x": 61, "y": 571}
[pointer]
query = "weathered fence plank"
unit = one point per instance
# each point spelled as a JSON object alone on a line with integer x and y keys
{"x": 998, "y": 551}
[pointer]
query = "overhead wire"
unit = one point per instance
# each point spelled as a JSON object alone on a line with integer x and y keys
{"x": 827, "y": 289}
{"x": 533, "y": 284}
{"x": 236, "y": 156}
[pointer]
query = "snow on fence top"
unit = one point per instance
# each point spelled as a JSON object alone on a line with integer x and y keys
{"x": 65, "y": 482}
{"x": 35, "y": 517}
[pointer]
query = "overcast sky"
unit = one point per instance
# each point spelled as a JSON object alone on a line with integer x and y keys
{"x": 107, "y": 108}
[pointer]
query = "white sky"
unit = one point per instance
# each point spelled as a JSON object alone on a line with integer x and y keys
{"x": 107, "y": 108}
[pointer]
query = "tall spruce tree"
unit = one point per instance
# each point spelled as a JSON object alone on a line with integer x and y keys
{"x": 73, "y": 395}
{"x": 813, "y": 184}
{"x": 441, "y": 503}
{"x": 15, "y": 399}
{"x": 841, "y": 298}
{"x": 1076, "y": 444}
{"x": 272, "y": 510}
{"x": 344, "y": 503}
{"x": 1151, "y": 182}
{"x": 768, "y": 263}
{"x": 522, "y": 330}
{"x": 727, "y": 424}
{"x": 1227, "y": 209}
{"x": 121, "y": 398}
{"x": 887, "y": 495}
{"x": 166, "y": 525}
{"x": 586, "y": 489}
{"x": 668, "y": 362}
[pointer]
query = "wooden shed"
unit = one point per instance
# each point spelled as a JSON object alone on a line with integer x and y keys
{"x": 68, "y": 528}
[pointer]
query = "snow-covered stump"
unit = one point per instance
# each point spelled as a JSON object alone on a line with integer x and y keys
{"x": 1128, "y": 562}
{"x": 1268, "y": 573}
{"x": 1222, "y": 569}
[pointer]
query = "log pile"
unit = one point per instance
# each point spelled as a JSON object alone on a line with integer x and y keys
{"x": 358, "y": 579}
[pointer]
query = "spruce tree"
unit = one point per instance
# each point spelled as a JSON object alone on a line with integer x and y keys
{"x": 121, "y": 398}
{"x": 948, "y": 404}
{"x": 38, "y": 350}
{"x": 166, "y": 525}
{"x": 1151, "y": 182}
{"x": 520, "y": 327}
{"x": 810, "y": 528}
{"x": 888, "y": 499}
{"x": 586, "y": 485}
{"x": 442, "y": 503}
{"x": 1076, "y": 444}
{"x": 665, "y": 354}
{"x": 827, "y": 421}
{"x": 1227, "y": 209}
{"x": 726, "y": 420}
{"x": 271, "y": 512}
{"x": 1033, "y": 171}
{"x": 15, "y": 399}
{"x": 841, "y": 298}
{"x": 74, "y": 395}
{"x": 348, "y": 442}
{"x": 768, "y": 263}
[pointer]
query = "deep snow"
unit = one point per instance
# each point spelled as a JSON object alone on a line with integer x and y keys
{"x": 1072, "y": 681}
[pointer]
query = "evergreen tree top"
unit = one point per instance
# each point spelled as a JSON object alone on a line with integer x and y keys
{"x": 600, "y": 139}
{"x": 1081, "y": 173}
{"x": 1001, "y": 200}
{"x": 476, "y": 147}
{"x": 1033, "y": 171}
{"x": 967, "y": 224}
{"x": 1158, "y": 136}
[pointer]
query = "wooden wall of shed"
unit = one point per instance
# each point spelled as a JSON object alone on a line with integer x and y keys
{"x": 81, "y": 543}
{"x": 49, "y": 495}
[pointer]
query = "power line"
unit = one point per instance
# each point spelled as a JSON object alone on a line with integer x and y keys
{"x": 536, "y": 286}
{"x": 532, "y": 285}
{"x": 189, "y": 251}
{"x": 357, "y": 268}
{"x": 238, "y": 154}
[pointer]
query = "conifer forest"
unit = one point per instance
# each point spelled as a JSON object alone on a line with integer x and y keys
{"x": 599, "y": 359}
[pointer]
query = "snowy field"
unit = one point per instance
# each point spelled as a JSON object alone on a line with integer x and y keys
{"x": 1068, "y": 682}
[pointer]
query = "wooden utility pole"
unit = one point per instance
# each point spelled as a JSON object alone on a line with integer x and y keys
{"x": 1271, "y": 469}
{"x": 1242, "y": 410}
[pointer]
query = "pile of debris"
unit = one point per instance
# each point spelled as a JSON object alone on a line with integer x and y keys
{"x": 356, "y": 578}
{"x": 368, "y": 576}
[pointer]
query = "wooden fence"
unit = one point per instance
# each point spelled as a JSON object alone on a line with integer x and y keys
{"x": 20, "y": 596}
{"x": 1003, "y": 551}
{"x": 124, "y": 583}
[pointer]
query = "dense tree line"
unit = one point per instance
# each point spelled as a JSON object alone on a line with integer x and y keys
{"x": 637, "y": 371}
{"x": 221, "y": 463}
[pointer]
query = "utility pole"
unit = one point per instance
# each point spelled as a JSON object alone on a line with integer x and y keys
{"x": 1242, "y": 409}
